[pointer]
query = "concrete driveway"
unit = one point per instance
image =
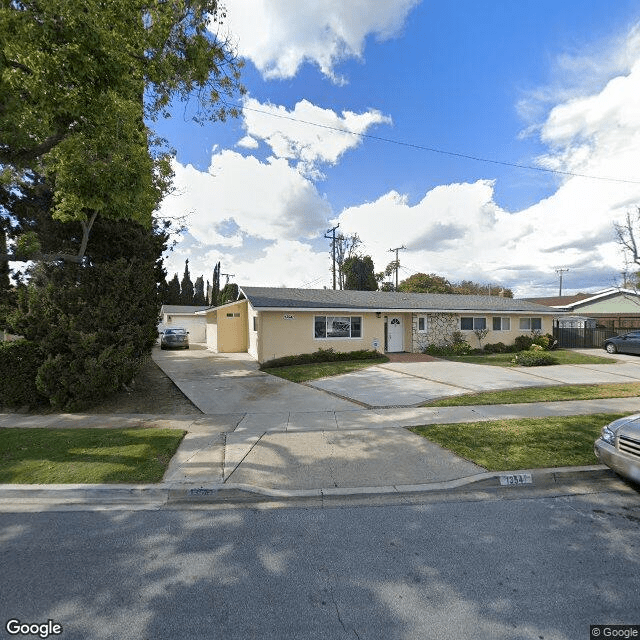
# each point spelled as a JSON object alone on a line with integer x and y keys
{"x": 219, "y": 383}
{"x": 411, "y": 383}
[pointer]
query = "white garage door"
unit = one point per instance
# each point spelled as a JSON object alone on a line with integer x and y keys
{"x": 195, "y": 325}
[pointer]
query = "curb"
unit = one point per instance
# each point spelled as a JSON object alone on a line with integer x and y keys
{"x": 167, "y": 494}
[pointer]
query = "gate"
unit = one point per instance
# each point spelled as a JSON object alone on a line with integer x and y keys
{"x": 583, "y": 337}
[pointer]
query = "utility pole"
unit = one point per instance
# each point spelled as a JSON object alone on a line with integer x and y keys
{"x": 397, "y": 262}
{"x": 560, "y": 272}
{"x": 229, "y": 275}
{"x": 332, "y": 237}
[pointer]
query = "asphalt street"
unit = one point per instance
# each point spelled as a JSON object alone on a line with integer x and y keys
{"x": 535, "y": 569}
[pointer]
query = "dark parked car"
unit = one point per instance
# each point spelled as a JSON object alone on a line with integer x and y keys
{"x": 626, "y": 343}
{"x": 619, "y": 446}
{"x": 174, "y": 338}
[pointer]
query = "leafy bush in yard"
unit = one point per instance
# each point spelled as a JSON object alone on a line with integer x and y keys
{"x": 534, "y": 359}
{"x": 449, "y": 349}
{"x": 94, "y": 322}
{"x": 523, "y": 342}
{"x": 321, "y": 355}
{"x": 497, "y": 347}
{"x": 19, "y": 364}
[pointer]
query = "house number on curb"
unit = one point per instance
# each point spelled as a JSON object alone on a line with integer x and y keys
{"x": 516, "y": 478}
{"x": 287, "y": 316}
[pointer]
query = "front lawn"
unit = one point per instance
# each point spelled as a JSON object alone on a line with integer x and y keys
{"x": 527, "y": 443}
{"x": 507, "y": 359}
{"x": 86, "y": 456}
{"x": 304, "y": 372}
{"x": 542, "y": 394}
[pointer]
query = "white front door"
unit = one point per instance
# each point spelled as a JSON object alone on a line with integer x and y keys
{"x": 395, "y": 334}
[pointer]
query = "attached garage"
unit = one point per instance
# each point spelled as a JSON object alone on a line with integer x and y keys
{"x": 227, "y": 328}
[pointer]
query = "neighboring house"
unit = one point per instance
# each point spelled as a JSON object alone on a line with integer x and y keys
{"x": 273, "y": 322}
{"x": 173, "y": 315}
{"x": 613, "y": 308}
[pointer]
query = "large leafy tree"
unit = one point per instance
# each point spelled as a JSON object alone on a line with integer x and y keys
{"x": 425, "y": 283}
{"x": 80, "y": 81}
{"x": 81, "y": 173}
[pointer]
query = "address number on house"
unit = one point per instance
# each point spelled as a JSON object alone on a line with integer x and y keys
{"x": 516, "y": 478}
{"x": 288, "y": 316}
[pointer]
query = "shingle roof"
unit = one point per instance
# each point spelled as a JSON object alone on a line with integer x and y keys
{"x": 180, "y": 308}
{"x": 560, "y": 301}
{"x": 280, "y": 298}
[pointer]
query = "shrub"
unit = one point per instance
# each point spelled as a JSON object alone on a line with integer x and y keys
{"x": 536, "y": 347}
{"x": 523, "y": 342}
{"x": 19, "y": 364}
{"x": 496, "y": 347}
{"x": 454, "y": 347}
{"x": 534, "y": 359}
{"x": 321, "y": 355}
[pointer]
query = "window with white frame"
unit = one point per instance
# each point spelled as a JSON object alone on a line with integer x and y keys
{"x": 422, "y": 324}
{"x": 502, "y": 324}
{"x": 337, "y": 327}
{"x": 530, "y": 324}
{"x": 469, "y": 323}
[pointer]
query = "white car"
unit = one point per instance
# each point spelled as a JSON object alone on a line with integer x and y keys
{"x": 619, "y": 447}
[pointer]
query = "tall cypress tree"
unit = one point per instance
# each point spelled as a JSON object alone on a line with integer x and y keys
{"x": 173, "y": 290}
{"x": 186, "y": 286}
{"x": 198, "y": 292}
{"x": 215, "y": 286}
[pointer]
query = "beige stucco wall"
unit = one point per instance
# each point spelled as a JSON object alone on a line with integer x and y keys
{"x": 285, "y": 333}
{"x": 227, "y": 328}
{"x": 233, "y": 328}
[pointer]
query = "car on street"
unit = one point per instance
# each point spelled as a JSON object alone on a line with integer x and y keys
{"x": 626, "y": 343}
{"x": 174, "y": 338}
{"x": 619, "y": 446}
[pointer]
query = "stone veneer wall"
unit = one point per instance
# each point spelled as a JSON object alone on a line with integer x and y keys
{"x": 440, "y": 326}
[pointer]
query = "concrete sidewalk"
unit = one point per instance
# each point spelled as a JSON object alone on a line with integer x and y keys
{"x": 305, "y": 454}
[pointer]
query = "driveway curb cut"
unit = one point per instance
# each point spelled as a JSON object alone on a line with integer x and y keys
{"x": 174, "y": 494}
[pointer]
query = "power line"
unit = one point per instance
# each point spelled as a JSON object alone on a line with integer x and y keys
{"x": 454, "y": 154}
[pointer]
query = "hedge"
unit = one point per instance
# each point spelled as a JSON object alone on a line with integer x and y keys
{"x": 321, "y": 355}
{"x": 19, "y": 364}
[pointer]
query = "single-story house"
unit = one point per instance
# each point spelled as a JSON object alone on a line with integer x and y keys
{"x": 172, "y": 315}
{"x": 274, "y": 322}
{"x": 614, "y": 308}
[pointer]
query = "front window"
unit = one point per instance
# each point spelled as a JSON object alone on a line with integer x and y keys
{"x": 338, "y": 327}
{"x": 422, "y": 324}
{"x": 530, "y": 324}
{"x": 472, "y": 324}
{"x": 502, "y": 324}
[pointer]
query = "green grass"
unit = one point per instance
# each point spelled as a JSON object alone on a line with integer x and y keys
{"x": 541, "y": 394}
{"x": 86, "y": 456}
{"x": 527, "y": 443}
{"x": 506, "y": 359}
{"x": 304, "y": 372}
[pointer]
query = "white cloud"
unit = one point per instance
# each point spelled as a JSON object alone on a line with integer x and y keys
{"x": 248, "y": 143}
{"x": 240, "y": 201}
{"x": 278, "y": 36}
{"x": 290, "y": 134}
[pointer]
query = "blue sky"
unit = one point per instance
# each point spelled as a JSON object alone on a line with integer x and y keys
{"x": 545, "y": 84}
